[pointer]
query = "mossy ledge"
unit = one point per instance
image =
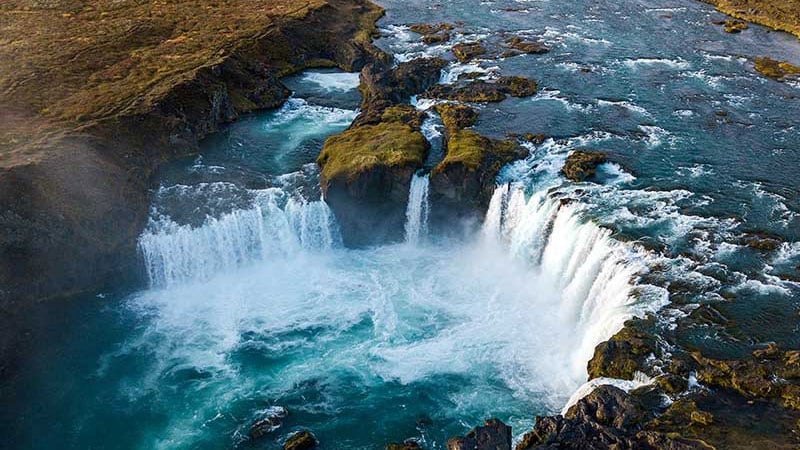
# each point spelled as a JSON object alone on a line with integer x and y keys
{"x": 366, "y": 171}
{"x": 104, "y": 92}
{"x": 462, "y": 184}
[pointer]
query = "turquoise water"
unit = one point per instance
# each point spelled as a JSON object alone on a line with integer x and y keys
{"x": 254, "y": 303}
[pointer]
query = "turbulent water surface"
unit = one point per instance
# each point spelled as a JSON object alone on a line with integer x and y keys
{"x": 254, "y": 302}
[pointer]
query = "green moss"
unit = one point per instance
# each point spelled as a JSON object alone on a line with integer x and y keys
{"x": 470, "y": 149}
{"x": 777, "y": 70}
{"x": 361, "y": 149}
{"x": 783, "y": 15}
{"x": 456, "y": 116}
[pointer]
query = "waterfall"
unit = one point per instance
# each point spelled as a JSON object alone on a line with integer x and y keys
{"x": 417, "y": 209}
{"x": 275, "y": 224}
{"x": 591, "y": 271}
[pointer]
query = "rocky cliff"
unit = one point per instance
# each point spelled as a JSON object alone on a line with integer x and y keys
{"x": 95, "y": 95}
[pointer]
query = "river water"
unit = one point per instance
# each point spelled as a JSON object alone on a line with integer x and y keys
{"x": 253, "y": 302}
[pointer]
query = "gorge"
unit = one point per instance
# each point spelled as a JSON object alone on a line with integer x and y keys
{"x": 580, "y": 221}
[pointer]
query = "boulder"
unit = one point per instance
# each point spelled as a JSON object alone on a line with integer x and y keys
{"x": 581, "y": 165}
{"x": 777, "y": 70}
{"x": 271, "y": 421}
{"x": 493, "y": 435}
{"x": 408, "y": 445}
{"x": 468, "y": 51}
{"x": 302, "y": 440}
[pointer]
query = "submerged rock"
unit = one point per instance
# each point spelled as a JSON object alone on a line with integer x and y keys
{"x": 468, "y": 51}
{"x": 493, "y": 435}
{"x": 581, "y": 165}
{"x": 302, "y": 440}
{"x": 409, "y": 445}
{"x": 270, "y": 422}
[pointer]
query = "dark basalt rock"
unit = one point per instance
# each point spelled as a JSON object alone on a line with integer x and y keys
{"x": 432, "y": 33}
{"x": 468, "y": 51}
{"x": 493, "y": 435}
{"x": 581, "y": 165}
{"x": 606, "y": 419}
{"x": 267, "y": 424}
{"x": 302, "y": 440}
{"x": 462, "y": 184}
{"x": 410, "y": 445}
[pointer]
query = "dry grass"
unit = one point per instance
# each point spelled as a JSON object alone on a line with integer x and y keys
{"x": 783, "y": 15}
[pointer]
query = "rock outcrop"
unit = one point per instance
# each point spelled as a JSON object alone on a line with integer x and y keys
{"x": 366, "y": 170}
{"x": 467, "y": 51}
{"x": 493, "y": 435}
{"x": 302, "y": 440}
{"x": 581, "y": 165}
{"x": 484, "y": 91}
{"x": 462, "y": 184}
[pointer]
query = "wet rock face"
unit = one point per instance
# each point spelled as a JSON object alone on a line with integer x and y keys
{"x": 622, "y": 355}
{"x": 523, "y": 46}
{"x": 271, "y": 421}
{"x": 366, "y": 171}
{"x": 582, "y": 165}
{"x": 411, "y": 445}
{"x": 302, "y": 440}
{"x": 53, "y": 244}
{"x": 493, "y": 435}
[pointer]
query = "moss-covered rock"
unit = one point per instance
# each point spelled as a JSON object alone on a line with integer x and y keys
{"x": 432, "y": 33}
{"x": 777, "y": 70}
{"x": 480, "y": 91}
{"x": 783, "y": 15}
{"x": 365, "y": 176}
{"x": 358, "y": 150}
{"x": 525, "y": 46}
{"x": 622, "y": 355}
{"x": 734, "y": 26}
{"x": 462, "y": 184}
{"x": 468, "y": 51}
{"x": 581, "y": 165}
{"x": 456, "y": 116}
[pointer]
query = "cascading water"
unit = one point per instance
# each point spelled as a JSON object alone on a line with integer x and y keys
{"x": 416, "y": 226}
{"x": 276, "y": 224}
{"x": 591, "y": 272}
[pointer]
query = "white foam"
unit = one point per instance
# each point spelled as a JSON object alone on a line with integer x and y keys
{"x": 635, "y": 63}
{"x": 638, "y": 381}
{"x": 333, "y": 81}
